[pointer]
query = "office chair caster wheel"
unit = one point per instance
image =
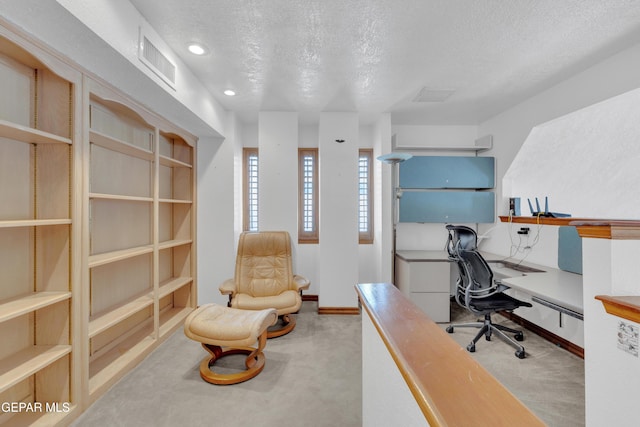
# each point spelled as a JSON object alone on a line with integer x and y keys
{"x": 520, "y": 354}
{"x": 449, "y": 329}
{"x": 471, "y": 348}
{"x": 519, "y": 336}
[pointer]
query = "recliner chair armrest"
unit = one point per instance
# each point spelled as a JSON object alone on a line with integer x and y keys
{"x": 228, "y": 287}
{"x": 302, "y": 283}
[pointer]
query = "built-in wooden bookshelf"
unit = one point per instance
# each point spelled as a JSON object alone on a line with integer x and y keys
{"x": 141, "y": 228}
{"x": 38, "y": 242}
{"x": 97, "y": 234}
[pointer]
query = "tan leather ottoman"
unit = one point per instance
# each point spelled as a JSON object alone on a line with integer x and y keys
{"x": 216, "y": 326}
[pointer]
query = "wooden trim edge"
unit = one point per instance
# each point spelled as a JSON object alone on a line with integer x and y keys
{"x": 549, "y": 336}
{"x": 338, "y": 310}
{"x": 627, "y": 307}
{"x": 309, "y": 297}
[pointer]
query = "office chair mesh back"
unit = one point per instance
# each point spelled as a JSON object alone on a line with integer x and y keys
{"x": 481, "y": 293}
{"x": 461, "y": 238}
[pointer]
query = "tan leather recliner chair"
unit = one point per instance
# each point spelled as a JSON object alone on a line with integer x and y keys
{"x": 264, "y": 278}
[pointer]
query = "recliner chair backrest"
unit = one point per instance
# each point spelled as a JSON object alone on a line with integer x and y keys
{"x": 263, "y": 263}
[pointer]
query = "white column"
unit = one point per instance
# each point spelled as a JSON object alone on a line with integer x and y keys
{"x": 278, "y": 172}
{"x": 338, "y": 254}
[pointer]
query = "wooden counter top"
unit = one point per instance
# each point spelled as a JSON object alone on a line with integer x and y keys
{"x": 450, "y": 387}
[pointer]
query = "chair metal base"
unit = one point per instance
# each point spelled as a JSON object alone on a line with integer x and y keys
{"x": 285, "y": 324}
{"x": 254, "y": 363}
{"x": 487, "y": 328}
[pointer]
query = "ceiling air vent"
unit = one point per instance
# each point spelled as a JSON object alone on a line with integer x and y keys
{"x": 433, "y": 95}
{"x": 153, "y": 58}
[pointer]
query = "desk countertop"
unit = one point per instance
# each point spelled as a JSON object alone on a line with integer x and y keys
{"x": 553, "y": 285}
{"x": 556, "y": 286}
{"x": 435, "y": 256}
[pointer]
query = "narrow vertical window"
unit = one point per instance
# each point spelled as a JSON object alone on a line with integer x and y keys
{"x": 250, "y": 189}
{"x": 308, "y": 195}
{"x": 365, "y": 196}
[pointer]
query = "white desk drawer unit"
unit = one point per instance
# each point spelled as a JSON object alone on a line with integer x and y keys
{"x": 424, "y": 277}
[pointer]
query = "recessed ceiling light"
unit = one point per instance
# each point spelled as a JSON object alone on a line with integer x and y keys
{"x": 197, "y": 49}
{"x": 229, "y": 92}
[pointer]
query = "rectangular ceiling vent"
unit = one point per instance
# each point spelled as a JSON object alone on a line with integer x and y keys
{"x": 157, "y": 62}
{"x": 433, "y": 95}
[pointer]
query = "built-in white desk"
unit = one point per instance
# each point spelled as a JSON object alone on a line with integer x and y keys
{"x": 555, "y": 286}
{"x": 427, "y": 278}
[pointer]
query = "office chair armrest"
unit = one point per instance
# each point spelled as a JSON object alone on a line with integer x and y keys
{"x": 501, "y": 286}
{"x": 228, "y": 287}
{"x": 302, "y": 283}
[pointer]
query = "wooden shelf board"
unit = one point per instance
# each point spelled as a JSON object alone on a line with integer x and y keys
{"x": 118, "y": 197}
{"x": 29, "y": 135}
{"x": 104, "y": 321}
{"x": 627, "y": 307}
{"x": 173, "y": 243}
{"x": 168, "y": 161}
{"x": 33, "y": 222}
{"x": 23, "y": 304}
{"x": 169, "y": 286}
{"x": 539, "y": 220}
{"x": 587, "y": 227}
{"x": 25, "y": 363}
{"x": 114, "y": 144}
{"x": 172, "y": 318}
{"x": 109, "y": 257}
{"x": 176, "y": 201}
{"x": 113, "y": 365}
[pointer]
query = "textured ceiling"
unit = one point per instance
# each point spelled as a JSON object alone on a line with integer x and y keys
{"x": 373, "y": 56}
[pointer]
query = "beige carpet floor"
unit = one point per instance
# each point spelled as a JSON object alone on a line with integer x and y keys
{"x": 313, "y": 378}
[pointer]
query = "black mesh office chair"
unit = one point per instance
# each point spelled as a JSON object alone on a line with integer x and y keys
{"x": 478, "y": 292}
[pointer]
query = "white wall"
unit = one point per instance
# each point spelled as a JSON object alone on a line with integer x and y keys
{"x": 583, "y": 161}
{"x": 278, "y": 172}
{"x": 616, "y": 75}
{"x": 118, "y": 24}
{"x": 216, "y": 211}
{"x": 369, "y": 254}
{"x": 383, "y": 234}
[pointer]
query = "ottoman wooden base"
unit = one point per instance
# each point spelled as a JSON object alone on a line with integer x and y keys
{"x": 226, "y": 331}
{"x": 254, "y": 363}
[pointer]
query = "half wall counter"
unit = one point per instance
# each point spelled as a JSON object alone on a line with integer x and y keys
{"x": 414, "y": 374}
